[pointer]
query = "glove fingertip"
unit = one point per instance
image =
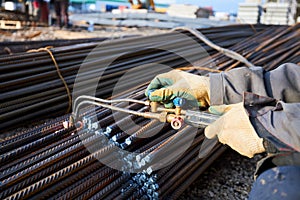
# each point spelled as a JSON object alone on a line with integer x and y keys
{"x": 209, "y": 133}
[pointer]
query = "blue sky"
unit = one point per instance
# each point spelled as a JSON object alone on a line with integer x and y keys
{"x": 218, "y": 5}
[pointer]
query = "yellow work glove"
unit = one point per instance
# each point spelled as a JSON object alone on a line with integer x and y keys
{"x": 176, "y": 83}
{"x": 234, "y": 129}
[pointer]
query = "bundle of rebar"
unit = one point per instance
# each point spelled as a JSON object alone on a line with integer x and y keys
{"x": 56, "y": 162}
{"x": 269, "y": 49}
{"x": 8, "y": 48}
{"x": 51, "y": 161}
{"x": 32, "y": 88}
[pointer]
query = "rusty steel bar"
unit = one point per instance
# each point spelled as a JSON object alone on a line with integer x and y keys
{"x": 32, "y": 76}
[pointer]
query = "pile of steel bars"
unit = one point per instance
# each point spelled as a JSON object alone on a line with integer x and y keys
{"x": 269, "y": 49}
{"x": 8, "y": 48}
{"x": 31, "y": 88}
{"x": 53, "y": 162}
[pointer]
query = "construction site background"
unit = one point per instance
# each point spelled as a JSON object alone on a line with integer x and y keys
{"x": 21, "y": 14}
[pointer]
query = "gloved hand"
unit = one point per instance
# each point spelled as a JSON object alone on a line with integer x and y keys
{"x": 235, "y": 129}
{"x": 177, "y": 83}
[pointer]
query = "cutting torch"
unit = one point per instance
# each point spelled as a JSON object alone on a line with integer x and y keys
{"x": 175, "y": 116}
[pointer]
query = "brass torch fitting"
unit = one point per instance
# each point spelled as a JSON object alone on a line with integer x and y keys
{"x": 154, "y": 106}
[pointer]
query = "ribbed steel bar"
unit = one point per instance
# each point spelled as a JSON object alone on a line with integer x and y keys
{"x": 29, "y": 135}
{"x": 180, "y": 136}
{"x": 100, "y": 185}
{"x": 243, "y": 47}
{"x": 53, "y": 110}
{"x": 33, "y": 157}
{"x": 58, "y": 175}
{"x": 163, "y": 173}
{"x": 150, "y": 182}
{"x": 159, "y": 59}
{"x": 151, "y": 41}
{"x": 176, "y": 191}
{"x": 31, "y": 146}
{"x": 109, "y": 191}
{"x": 18, "y": 164}
{"x": 18, "y": 47}
{"x": 121, "y": 136}
{"x": 88, "y": 182}
{"x": 182, "y": 174}
{"x": 44, "y": 167}
{"x": 177, "y": 162}
{"x": 145, "y": 131}
{"x": 64, "y": 186}
{"x": 31, "y": 180}
{"x": 36, "y": 105}
{"x": 261, "y": 48}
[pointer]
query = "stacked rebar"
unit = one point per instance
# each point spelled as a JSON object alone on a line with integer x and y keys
{"x": 8, "y": 48}
{"x": 31, "y": 87}
{"x": 269, "y": 49}
{"x": 53, "y": 162}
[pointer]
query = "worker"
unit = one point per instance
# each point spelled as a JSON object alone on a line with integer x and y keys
{"x": 260, "y": 113}
{"x": 44, "y": 12}
{"x": 61, "y": 11}
{"x": 37, "y": 4}
{"x": 40, "y": 11}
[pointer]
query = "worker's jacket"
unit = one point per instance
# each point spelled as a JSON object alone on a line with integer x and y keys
{"x": 272, "y": 100}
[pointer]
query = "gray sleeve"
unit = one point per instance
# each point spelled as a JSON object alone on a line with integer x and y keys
{"x": 282, "y": 83}
{"x": 279, "y": 124}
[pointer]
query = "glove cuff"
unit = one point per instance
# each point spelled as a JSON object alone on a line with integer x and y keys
{"x": 238, "y": 133}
